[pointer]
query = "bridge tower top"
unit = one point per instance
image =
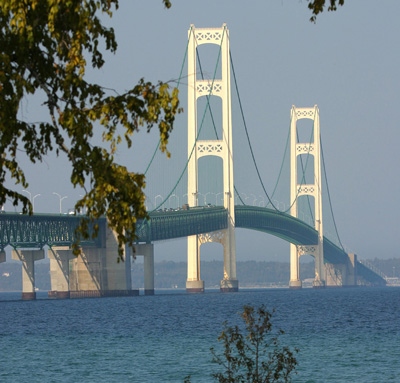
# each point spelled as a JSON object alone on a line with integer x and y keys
{"x": 210, "y": 87}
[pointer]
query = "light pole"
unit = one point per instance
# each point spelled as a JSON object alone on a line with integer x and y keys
{"x": 177, "y": 200}
{"x": 32, "y": 200}
{"x": 155, "y": 201}
{"x": 216, "y": 198}
{"x": 201, "y": 194}
{"x": 81, "y": 212}
{"x": 61, "y": 198}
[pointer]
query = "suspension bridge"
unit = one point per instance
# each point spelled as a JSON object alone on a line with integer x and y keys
{"x": 197, "y": 197}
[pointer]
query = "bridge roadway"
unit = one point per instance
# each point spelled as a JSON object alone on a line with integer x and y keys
{"x": 38, "y": 230}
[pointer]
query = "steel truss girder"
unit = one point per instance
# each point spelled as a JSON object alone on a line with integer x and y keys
{"x": 38, "y": 230}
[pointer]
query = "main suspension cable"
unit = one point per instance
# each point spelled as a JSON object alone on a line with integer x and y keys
{"x": 177, "y": 87}
{"x": 213, "y": 121}
{"x": 199, "y": 131}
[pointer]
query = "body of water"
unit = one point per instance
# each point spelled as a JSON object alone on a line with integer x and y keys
{"x": 343, "y": 335}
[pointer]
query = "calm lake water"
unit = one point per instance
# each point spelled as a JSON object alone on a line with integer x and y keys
{"x": 344, "y": 335}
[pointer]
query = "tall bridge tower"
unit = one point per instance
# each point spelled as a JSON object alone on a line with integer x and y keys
{"x": 221, "y": 148}
{"x": 297, "y": 190}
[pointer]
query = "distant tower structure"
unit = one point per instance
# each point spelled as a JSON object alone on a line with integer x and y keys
{"x": 297, "y": 190}
{"x": 221, "y": 148}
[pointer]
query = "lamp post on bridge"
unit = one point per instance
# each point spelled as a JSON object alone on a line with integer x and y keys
{"x": 177, "y": 200}
{"x": 216, "y": 198}
{"x": 245, "y": 198}
{"x": 205, "y": 198}
{"x": 61, "y": 198}
{"x": 32, "y": 200}
{"x": 199, "y": 195}
{"x": 155, "y": 200}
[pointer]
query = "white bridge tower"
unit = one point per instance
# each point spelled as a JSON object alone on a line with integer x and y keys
{"x": 297, "y": 190}
{"x": 221, "y": 148}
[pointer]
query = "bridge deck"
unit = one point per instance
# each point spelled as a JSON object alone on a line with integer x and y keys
{"x": 38, "y": 230}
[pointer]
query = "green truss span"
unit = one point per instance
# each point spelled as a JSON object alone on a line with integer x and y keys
{"x": 38, "y": 230}
{"x": 182, "y": 223}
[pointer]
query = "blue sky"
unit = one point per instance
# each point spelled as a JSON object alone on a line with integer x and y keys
{"x": 348, "y": 63}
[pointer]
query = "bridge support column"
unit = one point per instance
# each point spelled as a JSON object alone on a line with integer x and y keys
{"x": 229, "y": 284}
{"x": 28, "y": 258}
{"x": 96, "y": 272}
{"x": 59, "y": 271}
{"x": 342, "y": 275}
{"x": 295, "y": 282}
{"x": 147, "y": 250}
{"x": 118, "y": 281}
{"x": 194, "y": 284}
{"x": 87, "y": 274}
{"x": 149, "y": 270}
{"x": 352, "y": 270}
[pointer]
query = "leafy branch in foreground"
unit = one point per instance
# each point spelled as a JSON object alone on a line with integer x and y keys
{"x": 257, "y": 356}
{"x": 45, "y": 47}
{"x": 317, "y": 7}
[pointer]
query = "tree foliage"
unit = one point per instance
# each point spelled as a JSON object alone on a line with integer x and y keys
{"x": 256, "y": 357}
{"x": 317, "y": 6}
{"x": 45, "y": 49}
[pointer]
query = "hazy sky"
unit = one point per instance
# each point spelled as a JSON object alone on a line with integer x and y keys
{"x": 348, "y": 63}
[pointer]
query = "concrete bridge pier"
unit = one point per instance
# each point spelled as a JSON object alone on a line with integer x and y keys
{"x": 193, "y": 283}
{"x": 96, "y": 272}
{"x": 117, "y": 281}
{"x": 229, "y": 284}
{"x": 295, "y": 282}
{"x": 342, "y": 275}
{"x": 87, "y": 274}
{"x": 147, "y": 250}
{"x": 28, "y": 258}
{"x": 59, "y": 271}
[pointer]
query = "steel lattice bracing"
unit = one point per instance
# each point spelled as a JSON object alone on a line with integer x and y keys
{"x": 38, "y": 230}
{"x": 279, "y": 224}
{"x": 181, "y": 223}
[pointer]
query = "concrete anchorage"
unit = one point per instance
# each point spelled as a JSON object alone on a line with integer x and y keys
{"x": 60, "y": 258}
{"x": 300, "y": 189}
{"x": 95, "y": 272}
{"x": 28, "y": 258}
{"x": 342, "y": 275}
{"x": 221, "y": 148}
